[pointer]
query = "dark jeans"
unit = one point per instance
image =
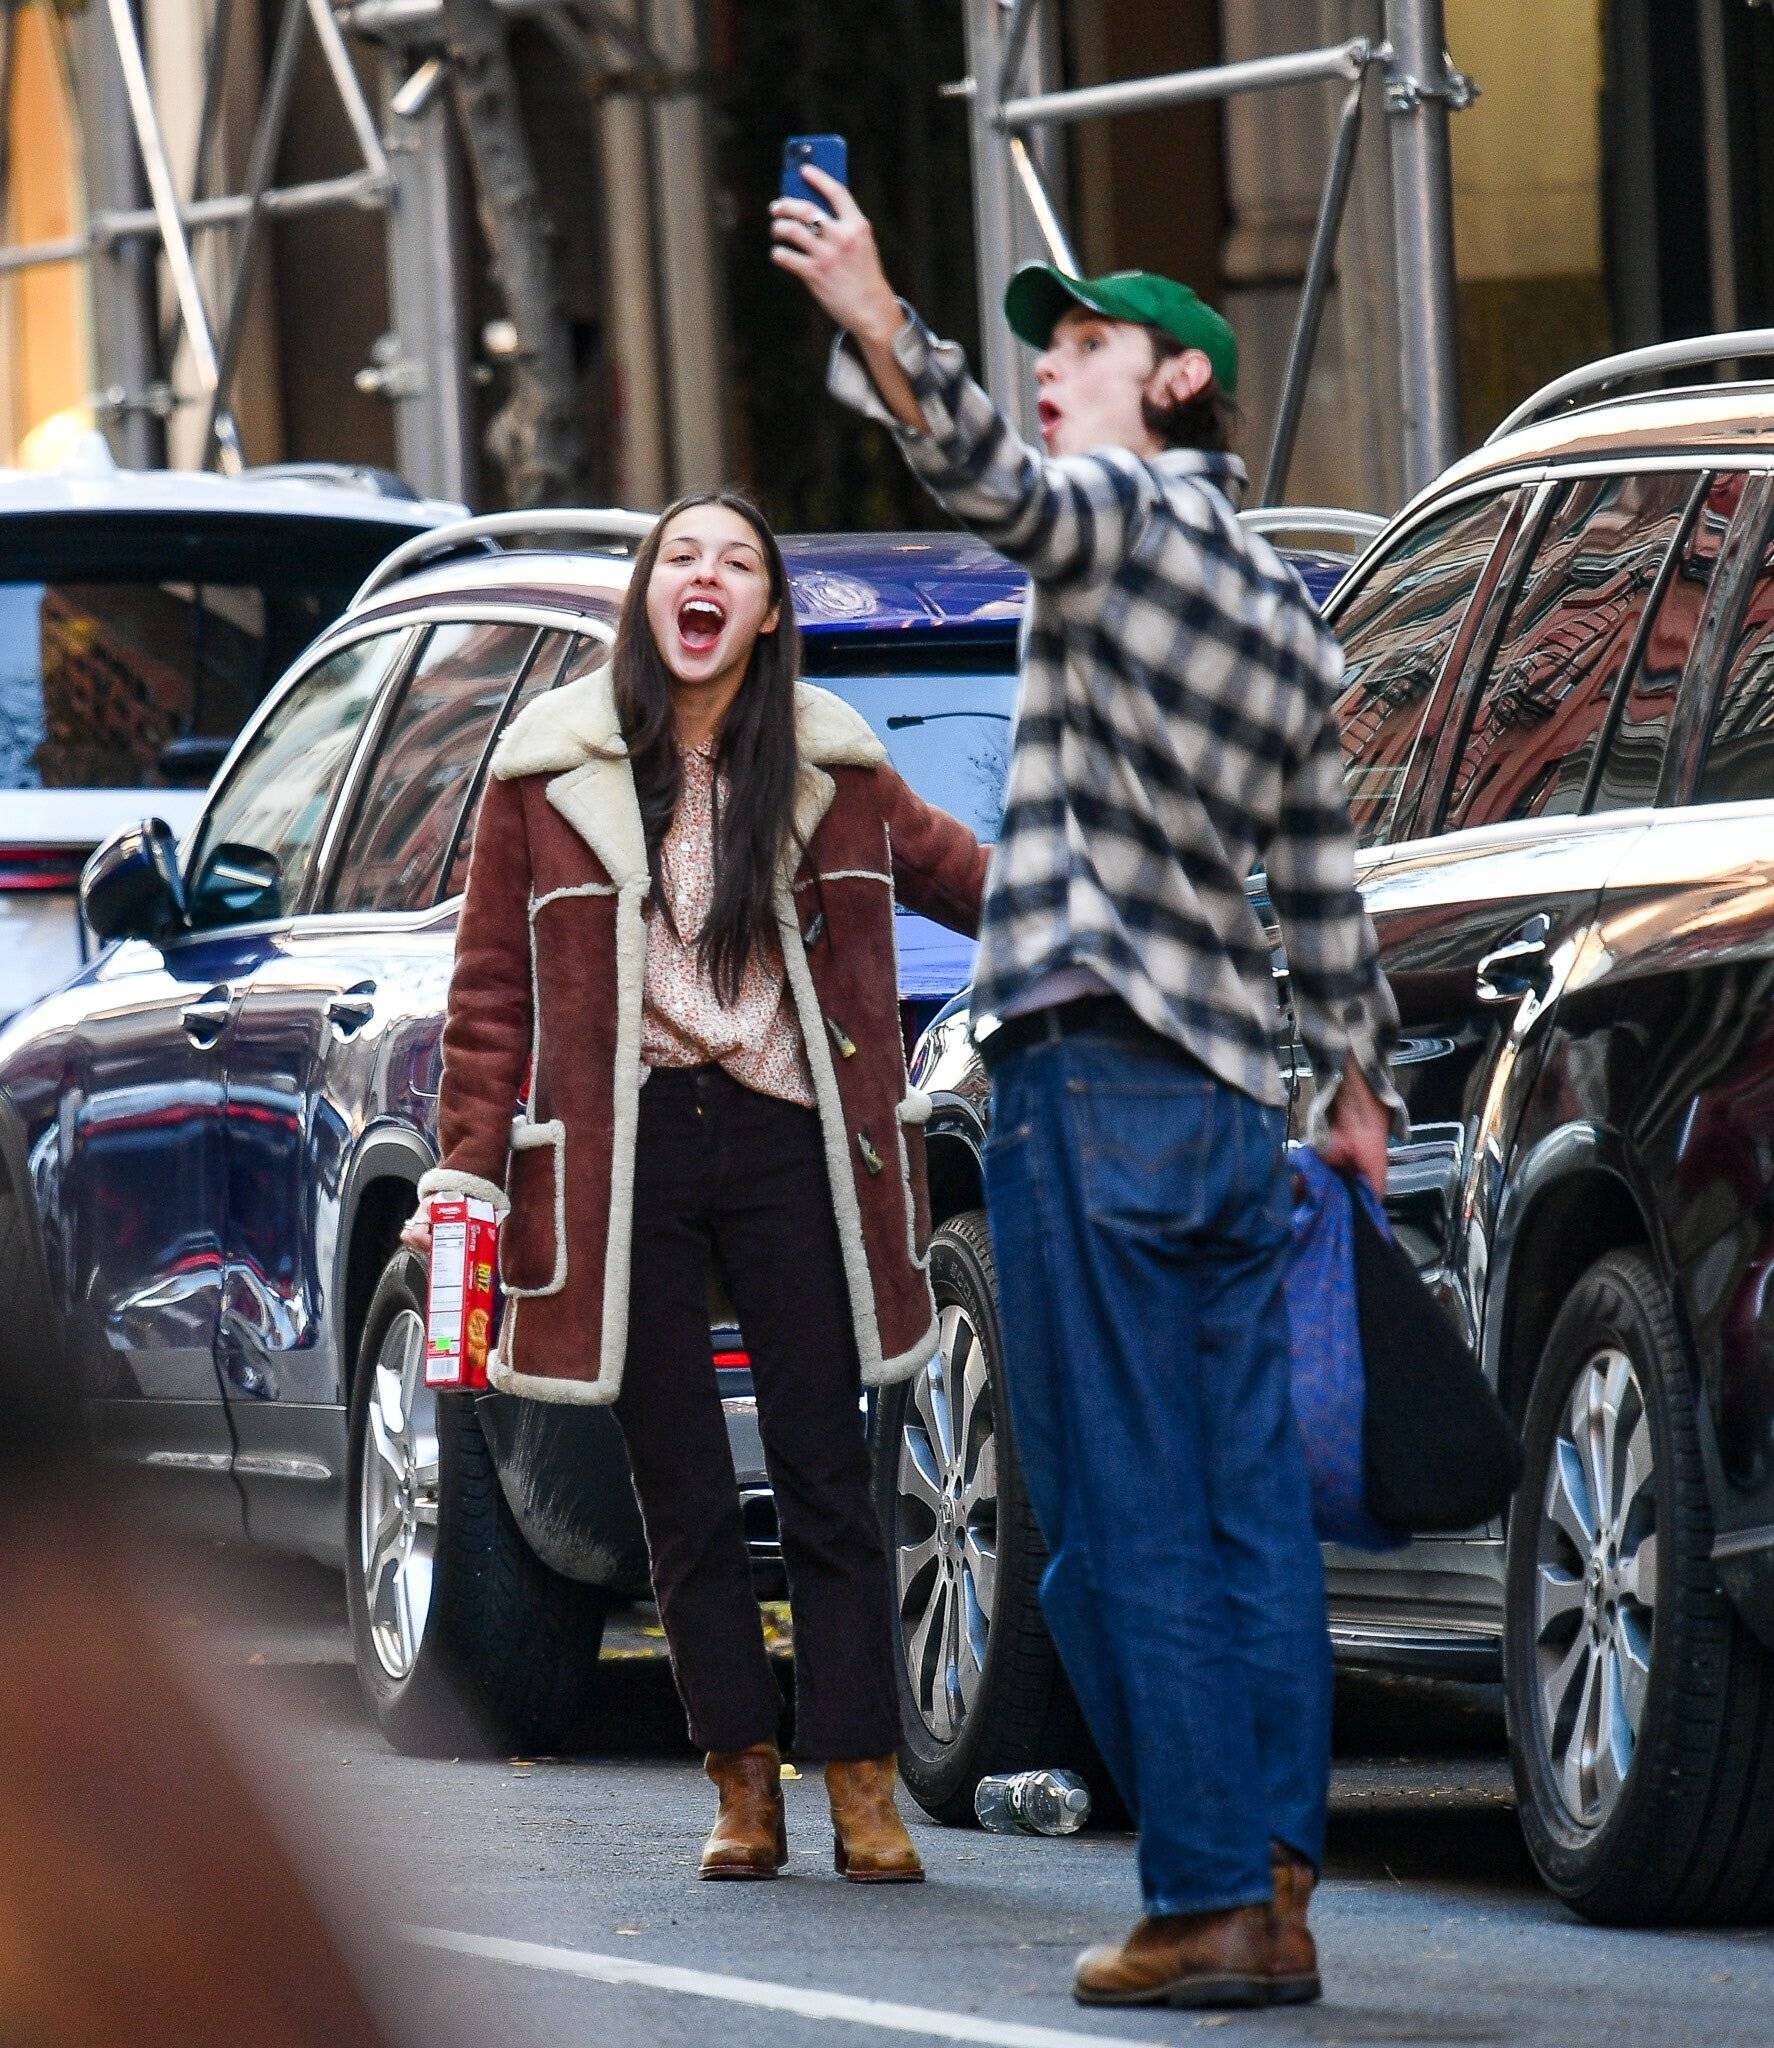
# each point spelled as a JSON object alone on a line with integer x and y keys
{"x": 1139, "y": 1209}
{"x": 722, "y": 1172}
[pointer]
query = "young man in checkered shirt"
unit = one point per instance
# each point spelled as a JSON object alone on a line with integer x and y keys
{"x": 1172, "y": 733}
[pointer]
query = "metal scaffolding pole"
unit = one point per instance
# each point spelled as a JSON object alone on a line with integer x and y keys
{"x": 422, "y": 365}
{"x": 1313, "y": 292}
{"x": 1421, "y": 87}
{"x": 267, "y": 141}
{"x": 130, "y": 398}
{"x": 152, "y": 143}
{"x": 1014, "y": 219}
{"x": 1181, "y": 88}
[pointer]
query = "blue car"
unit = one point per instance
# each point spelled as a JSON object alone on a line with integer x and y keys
{"x": 211, "y": 1135}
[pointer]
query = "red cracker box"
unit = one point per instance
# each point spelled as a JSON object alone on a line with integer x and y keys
{"x": 459, "y": 1313}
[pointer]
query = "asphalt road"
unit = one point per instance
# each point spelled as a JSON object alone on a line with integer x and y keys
{"x": 546, "y": 1904}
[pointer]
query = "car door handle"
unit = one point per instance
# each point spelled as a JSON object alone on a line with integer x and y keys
{"x": 206, "y": 1019}
{"x": 1518, "y": 966}
{"x": 353, "y": 1009}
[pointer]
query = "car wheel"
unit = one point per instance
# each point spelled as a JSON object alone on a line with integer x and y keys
{"x": 980, "y": 1684}
{"x": 1641, "y": 1711}
{"x": 465, "y": 1641}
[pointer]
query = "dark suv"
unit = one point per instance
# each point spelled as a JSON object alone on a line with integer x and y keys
{"x": 1559, "y": 725}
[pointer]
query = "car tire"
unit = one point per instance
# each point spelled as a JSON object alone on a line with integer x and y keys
{"x": 466, "y": 1643}
{"x": 1640, "y": 1709}
{"x": 967, "y": 1714}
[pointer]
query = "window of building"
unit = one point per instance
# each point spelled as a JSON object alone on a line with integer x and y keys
{"x": 1564, "y": 648}
{"x": 1396, "y": 633}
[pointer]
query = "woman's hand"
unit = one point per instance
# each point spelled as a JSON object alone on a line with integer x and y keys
{"x": 415, "y": 1232}
{"x": 834, "y": 256}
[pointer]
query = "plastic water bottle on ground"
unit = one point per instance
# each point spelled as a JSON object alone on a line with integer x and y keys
{"x": 1032, "y": 1803}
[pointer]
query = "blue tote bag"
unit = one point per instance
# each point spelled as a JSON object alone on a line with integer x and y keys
{"x": 1329, "y": 1381}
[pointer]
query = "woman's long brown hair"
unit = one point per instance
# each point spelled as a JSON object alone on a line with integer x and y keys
{"x": 755, "y": 752}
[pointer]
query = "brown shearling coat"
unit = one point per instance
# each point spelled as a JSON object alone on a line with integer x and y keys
{"x": 550, "y": 959}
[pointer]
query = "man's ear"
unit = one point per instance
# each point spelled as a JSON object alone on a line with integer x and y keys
{"x": 1179, "y": 378}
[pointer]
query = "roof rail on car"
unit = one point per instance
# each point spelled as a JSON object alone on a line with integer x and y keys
{"x": 1699, "y": 350}
{"x": 492, "y": 527}
{"x": 1337, "y": 520}
{"x": 345, "y": 476}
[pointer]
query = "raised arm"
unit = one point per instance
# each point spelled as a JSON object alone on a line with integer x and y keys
{"x": 1065, "y": 521}
{"x": 939, "y": 868}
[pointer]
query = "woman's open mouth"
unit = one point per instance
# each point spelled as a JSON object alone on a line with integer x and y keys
{"x": 1047, "y": 414}
{"x": 700, "y": 622}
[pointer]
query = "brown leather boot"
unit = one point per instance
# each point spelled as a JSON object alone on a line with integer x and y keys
{"x": 1293, "y": 1959}
{"x": 869, "y": 1841}
{"x": 1181, "y": 1959}
{"x": 750, "y": 1835}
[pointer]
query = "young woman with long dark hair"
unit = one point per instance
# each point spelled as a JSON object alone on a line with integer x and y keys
{"x": 679, "y": 924}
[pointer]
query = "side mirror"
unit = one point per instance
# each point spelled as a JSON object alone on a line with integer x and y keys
{"x": 237, "y": 884}
{"x": 131, "y": 888}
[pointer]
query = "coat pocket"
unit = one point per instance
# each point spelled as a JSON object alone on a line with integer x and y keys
{"x": 533, "y": 1240}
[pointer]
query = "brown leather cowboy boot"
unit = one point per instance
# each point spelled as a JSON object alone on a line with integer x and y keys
{"x": 1293, "y": 1960}
{"x": 869, "y": 1841}
{"x": 750, "y": 1835}
{"x": 1186, "y": 1959}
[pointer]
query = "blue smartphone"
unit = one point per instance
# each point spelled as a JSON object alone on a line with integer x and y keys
{"x": 827, "y": 153}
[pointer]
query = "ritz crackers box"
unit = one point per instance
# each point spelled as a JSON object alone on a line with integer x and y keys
{"x": 459, "y": 1311}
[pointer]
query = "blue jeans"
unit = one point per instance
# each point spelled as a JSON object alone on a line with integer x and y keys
{"x": 1140, "y": 1214}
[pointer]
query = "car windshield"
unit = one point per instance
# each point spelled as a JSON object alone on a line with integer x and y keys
{"x": 948, "y": 735}
{"x": 130, "y": 657}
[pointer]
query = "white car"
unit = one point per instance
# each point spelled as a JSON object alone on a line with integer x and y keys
{"x": 143, "y": 614}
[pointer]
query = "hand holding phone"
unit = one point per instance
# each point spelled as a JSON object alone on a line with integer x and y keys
{"x": 823, "y": 238}
{"x": 827, "y": 153}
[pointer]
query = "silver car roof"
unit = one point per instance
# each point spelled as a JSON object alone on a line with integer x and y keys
{"x": 124, "y": 491}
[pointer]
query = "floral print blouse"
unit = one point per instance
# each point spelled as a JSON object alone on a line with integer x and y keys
{"x": 757, "y": 1037}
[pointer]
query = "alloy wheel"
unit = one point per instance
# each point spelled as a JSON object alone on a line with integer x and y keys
{"x": 1595, "y": 1586}
{"x": 397, "y": 1523}
{"x": 946, "y": 1525}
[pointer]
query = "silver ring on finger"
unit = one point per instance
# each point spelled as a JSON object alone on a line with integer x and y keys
{"x": 818, "y": 226}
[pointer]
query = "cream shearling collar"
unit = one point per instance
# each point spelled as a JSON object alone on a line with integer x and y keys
{"x": 565, "y": 728}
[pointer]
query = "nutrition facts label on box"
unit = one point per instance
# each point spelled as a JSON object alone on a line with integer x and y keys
{"x": 459, "y": 1307}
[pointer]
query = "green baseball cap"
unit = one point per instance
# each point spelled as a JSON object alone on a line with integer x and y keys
{"x": 1038, "y": 294}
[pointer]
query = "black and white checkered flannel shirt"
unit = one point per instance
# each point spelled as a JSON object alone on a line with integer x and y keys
{"x": 1173, "y": 733}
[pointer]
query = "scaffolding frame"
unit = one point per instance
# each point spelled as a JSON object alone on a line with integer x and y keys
{"x": 409, "y": 172}
{"x": 1421, "y": 88}
{"x": 173, "y": 223}
{"x": 423, "y": 365}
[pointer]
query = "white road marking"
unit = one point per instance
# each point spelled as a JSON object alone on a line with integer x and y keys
{"x": 803, "y": 2003}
